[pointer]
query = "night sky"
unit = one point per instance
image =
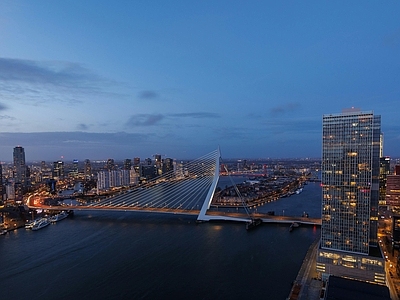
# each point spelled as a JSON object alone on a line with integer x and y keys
{"x": 120, "y": 79}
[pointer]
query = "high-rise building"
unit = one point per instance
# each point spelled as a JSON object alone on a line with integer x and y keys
{"x": 157, "y": 158}
{"x": 110, "y": 164}
{"x": 1, "y": 185}
{"x": 148, "y": 172}
{"x": 75, "y": 168}
{"x": 103, "y": 180}
{"x": 19, "y": 165}
{"x": 58, "y": 169}
{"x": 384, "y": 171}
{"x": 168, "y": 165}
{"x": 110, "y": 179}
{"x": 396, "y": 231}
{"x": 393, "y": 190}
{"x": 127, "y": 164}
{"x": 350, "y": 193}
{"x": 88, "y": 169}
{"x": 19, "y": 171}
{"x": 136, "y": 161}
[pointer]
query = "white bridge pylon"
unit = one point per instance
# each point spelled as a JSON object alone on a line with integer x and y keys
{"x": 207, "y": 202}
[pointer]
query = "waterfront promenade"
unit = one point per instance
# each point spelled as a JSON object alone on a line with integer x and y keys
{"x": 307, "y": 286}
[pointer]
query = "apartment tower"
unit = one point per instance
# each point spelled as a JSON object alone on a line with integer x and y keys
{"x": 350, "y": 194}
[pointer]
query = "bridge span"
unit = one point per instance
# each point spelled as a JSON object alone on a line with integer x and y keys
{"x": 210, "y": 216}
{"x": 187, "y": 190}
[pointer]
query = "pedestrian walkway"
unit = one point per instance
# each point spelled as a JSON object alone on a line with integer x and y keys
{"x": 307, "y": 286}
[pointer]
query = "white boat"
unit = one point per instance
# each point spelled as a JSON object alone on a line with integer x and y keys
{"x": 58, "y": 217}
{"x": 43, "y": 222}
{"x": 30, "y": 224}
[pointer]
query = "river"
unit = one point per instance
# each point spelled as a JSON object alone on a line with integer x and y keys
{"x": 133, "y": 255}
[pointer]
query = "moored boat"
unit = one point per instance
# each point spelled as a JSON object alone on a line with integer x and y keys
{"x": 58, "y": 217}
{"x": 298, "y": 191}
{"x": 30, "y": 224}
{"x": 43, "y": 222}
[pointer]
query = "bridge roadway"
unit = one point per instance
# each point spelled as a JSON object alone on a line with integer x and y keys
{"x": 213, "y": 215}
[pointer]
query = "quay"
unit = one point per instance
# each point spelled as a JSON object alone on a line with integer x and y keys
{"x": 307, "y": 286}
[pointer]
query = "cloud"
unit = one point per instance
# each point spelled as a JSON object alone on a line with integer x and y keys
{"x": 5, "y": 117}
{"x": 39, "y": 82}
{"x": 54, "y": 73}
{"x": 83, "y": 127}
{"x": 144, "y": 120}
{"x": 3, "y": 107}
{"x": 196, "y": 115}
{"x": 155, "y": 119}
{"x": 282, "y": 109}
{"x": 148, "y": 95}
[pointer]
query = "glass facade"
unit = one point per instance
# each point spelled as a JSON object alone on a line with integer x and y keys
{"x": 384, "y": 171}
{"x": 350, "y": 180}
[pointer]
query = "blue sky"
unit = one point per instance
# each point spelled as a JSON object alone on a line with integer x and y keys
{"x": 120, "y": 79}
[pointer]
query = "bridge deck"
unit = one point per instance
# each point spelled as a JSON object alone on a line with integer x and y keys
{"x": 211, "y": 215}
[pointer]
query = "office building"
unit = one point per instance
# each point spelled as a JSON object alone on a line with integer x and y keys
{"x": 133, "y": 176}
{"x": 157, "y": 159}
{"x": 1, "y": 185}
{"x": 127, "y": 164}
{"x": 19, "y": 165}
{"x": 88, "y": 169}
{"x": 110, "y": 164}
{"x": 396, "y": 231}
{"x": 168, "y": 165}
{"x": 393, "y": 190}
{"x": 20, "y": 177}
{"x": 58, "y": 169}
{"x": 148, "y": 172}
{"x": 45, "y": 171}
{"x": 136, "y": 161}
{"x": 74, "y": 169}
{"x": 384, "y": 171}
{"x": 350, "y": 192}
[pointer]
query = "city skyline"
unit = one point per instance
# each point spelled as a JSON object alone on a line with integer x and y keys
{"x": 98, "y": 80}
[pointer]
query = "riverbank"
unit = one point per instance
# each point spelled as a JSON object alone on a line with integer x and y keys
{"x": 307, "y": 286}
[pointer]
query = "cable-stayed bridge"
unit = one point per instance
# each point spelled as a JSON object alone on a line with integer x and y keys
{"x": 188, "y": 189}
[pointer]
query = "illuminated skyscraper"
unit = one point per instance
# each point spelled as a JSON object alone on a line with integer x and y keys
{"x": 19, "y": 165}
{"x": 393, "y": 190}
{"x": 384, "y": 171}
{"x": 350, "y": 193}
{"x": 1, "y": 185}
{"x": 19, "y": 171}
{"x": 75, "y": 168}
{"x": 58, "y": 169}
{"x": 88, "y": 169}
